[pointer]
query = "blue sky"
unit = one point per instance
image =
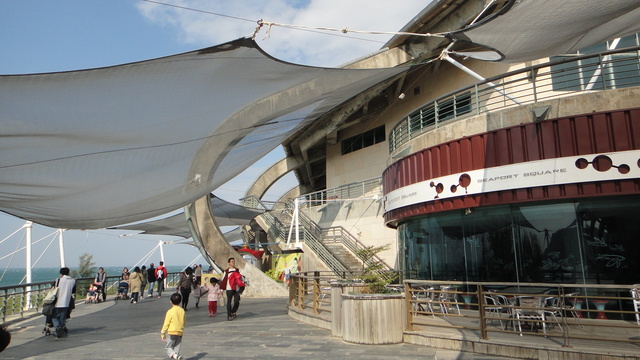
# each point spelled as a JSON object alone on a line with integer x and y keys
{"x": 46, "y": 36}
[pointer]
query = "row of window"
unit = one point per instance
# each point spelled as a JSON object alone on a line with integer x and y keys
{"x": 363, "y": 140}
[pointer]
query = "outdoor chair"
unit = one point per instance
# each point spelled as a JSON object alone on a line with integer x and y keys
{"x": 635, "y": 296}
{"x": 425, "y": 298}
{"x": 553, "y": 310}
{"x": 494, "y": 309}
{"x": 448, "y": 300}
{"x": 570, "y": 306}
{"x": 530, "y": 309}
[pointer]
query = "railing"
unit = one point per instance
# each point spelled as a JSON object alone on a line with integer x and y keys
{"x": 347, "y": 191}
{"x": 566, "y": 314}
{"x": 567, "y": 77}
{"x": 24, "y": 300}
{"x": 312, "y": 237}
{"x": 276, "y": 230}
{"x": 341, "y": 235}
{"x": 570, "y": 312}
{"x": 311, "y": 291}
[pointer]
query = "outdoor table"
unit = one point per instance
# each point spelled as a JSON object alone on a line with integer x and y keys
{"x": 577, "y": 305}
{"x": 466, "y": 297}
{"x": 600, "y": 304}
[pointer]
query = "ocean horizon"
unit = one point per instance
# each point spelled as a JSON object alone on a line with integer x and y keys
{"x": 17, "y": 276}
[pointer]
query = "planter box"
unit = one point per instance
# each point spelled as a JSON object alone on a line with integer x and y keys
{"x": 372, "y": 318}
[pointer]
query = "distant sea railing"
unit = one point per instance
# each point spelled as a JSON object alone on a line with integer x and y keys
{"x": 25, "y": 300}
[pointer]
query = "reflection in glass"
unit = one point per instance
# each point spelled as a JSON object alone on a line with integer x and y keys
{"x": 586, "y": 241}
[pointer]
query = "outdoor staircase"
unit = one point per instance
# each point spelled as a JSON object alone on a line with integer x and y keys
{"x": 335, "y": 246}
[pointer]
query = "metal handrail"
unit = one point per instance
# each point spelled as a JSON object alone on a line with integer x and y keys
{"x": 432, "y": 305}
{"x": 347, "y": 191}
{"x": 529, "y": 85}
{"x": 355, "y": 246}
{"x": 25, "y": 300}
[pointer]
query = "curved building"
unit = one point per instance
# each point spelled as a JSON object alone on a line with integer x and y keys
{"x": 523, "y": 168}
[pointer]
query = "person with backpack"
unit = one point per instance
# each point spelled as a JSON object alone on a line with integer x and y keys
{"x": 161, "y": 274}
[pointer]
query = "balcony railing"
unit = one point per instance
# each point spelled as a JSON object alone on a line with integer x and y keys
{"x": 562, "y": 314}
{"x": 606, "y": 70}
{"x": 347, "y": 191}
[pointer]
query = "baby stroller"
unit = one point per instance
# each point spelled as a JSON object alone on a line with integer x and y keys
{"x": 123, "y": 289}
{"x": 93, "y": 294}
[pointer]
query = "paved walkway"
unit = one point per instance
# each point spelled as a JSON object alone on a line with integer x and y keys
{"x": 262, "y": 330}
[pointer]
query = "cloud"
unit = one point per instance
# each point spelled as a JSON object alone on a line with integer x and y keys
{"x": 310, "y": 47}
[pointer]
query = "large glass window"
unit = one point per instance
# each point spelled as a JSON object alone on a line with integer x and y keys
{"x": 585, "y": 241}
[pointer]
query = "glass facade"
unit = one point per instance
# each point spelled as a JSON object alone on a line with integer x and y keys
{"x": 594, "y": 241}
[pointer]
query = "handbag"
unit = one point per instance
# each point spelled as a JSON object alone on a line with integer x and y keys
{"x": 47, "y": 309}
{"x": 51, "y": 296}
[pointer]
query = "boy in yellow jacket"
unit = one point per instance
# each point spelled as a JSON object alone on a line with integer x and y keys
{"x": 174, "y": 326}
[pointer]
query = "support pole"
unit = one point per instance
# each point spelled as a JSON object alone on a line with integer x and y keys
{"x": 162, "y": 259}
{"x": 28, "y": 226}
{"x": 297, "y": 219}
{"x": 161, "y": 250}
{"x": 445, "y": 56}
{"x": 61, "y": 247}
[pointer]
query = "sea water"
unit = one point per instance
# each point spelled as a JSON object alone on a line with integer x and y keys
{"x": 15, "y": 276}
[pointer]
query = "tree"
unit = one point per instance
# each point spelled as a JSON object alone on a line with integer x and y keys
{"x": 86, "y": 267}
{"x": 373, "y": 273}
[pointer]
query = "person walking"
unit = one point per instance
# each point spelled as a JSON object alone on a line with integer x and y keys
{"x": 66, "y": 288}
{"x": 161, "y": 274}
{"x": 232, "y": 283}
{"x": 213, "y": 294}
{"x": 135, "y": 283}
{"x": 151, "y": 278}
{"x": 174, "y": 322}
{"x": 185, "y": 285}
{"x": 101, "y": 278}
{"x": 143, "y": 273}
{"x": 197, "y": 272}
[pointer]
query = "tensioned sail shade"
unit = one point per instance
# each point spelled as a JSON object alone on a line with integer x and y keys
{"x": 226, "y": 214}
{"x": 101, "y": 147}
{"x": 174, "y": 225}
{"x": 534, "y": 29}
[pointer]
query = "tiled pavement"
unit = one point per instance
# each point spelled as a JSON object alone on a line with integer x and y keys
{"x": 262, "y": 330}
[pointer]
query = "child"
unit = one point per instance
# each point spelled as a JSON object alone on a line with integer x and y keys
{"x": 214, "y": 292}
{"x": 198, "y": 292}
{"x": 173, "y": 325}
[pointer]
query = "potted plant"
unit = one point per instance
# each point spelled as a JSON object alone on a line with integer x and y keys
{"x": 373, "y": 273}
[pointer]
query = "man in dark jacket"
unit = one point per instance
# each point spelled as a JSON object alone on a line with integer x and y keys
{"x": 151, "y": 278}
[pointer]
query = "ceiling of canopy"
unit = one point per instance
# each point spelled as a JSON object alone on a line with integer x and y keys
{"x": 102, "y": 147}
{"x": 526, "y": 30}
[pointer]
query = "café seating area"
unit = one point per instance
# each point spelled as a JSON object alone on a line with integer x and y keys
{"x": 567, "y": 312}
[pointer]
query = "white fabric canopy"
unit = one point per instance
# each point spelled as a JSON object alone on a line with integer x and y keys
{"x": 226, "y": 214}
{"x": 101, "y": 147}
{"x": 534, "y": 29}
{"x": 175, "y": 225}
